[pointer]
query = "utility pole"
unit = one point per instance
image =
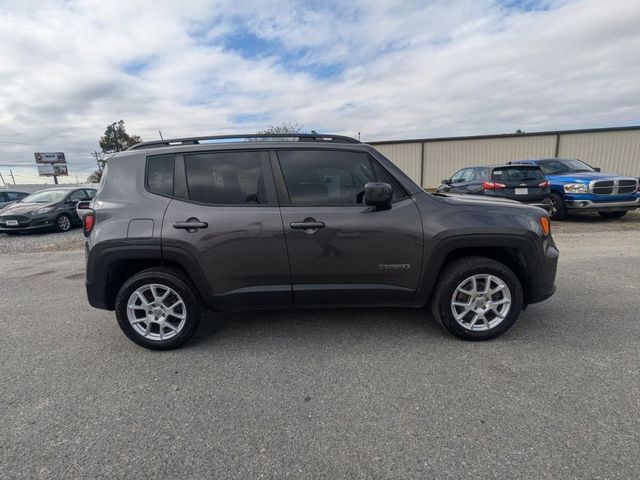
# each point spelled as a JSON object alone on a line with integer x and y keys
{"x": 12, "y": 177}
{"x": 2, "y": 178}
{"x": 100, "y": 164}
{"x": 161, "y": 137}
{"x": 358, "y": 136}
{"x": 77, "y": 181}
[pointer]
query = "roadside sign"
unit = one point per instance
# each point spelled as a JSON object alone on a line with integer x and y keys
{"x": 50, "y": 157}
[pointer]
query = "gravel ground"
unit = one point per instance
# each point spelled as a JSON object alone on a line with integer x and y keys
{"x": 41, "y": 242}
{"x": 52, "y": 242}
{"x": 349, "y": 393}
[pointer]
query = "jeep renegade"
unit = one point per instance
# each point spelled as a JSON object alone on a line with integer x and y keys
{"x": 301, "y": 221}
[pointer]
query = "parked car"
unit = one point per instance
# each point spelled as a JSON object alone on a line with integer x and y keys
{"x": 523, "y": 183}
{"x": 53, "y": 208}
{"x": 579, "y": 187}
{"x": 82, "y": 208}
{"x": 323, "y": 221}
{"x": 7, "y": 197}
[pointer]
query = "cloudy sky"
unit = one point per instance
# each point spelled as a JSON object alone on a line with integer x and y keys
{"x": 390, "y": 70}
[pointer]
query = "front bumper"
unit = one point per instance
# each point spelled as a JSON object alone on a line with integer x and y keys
{"x": 28, "y": 223}
{"x": 588, "y": 203}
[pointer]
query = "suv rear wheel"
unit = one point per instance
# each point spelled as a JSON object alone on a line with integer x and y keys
{"x": 157, "y": 309}
{"x": 477, "y": 298}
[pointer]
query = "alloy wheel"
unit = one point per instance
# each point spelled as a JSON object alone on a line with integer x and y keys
{"x": 64, "y": 223}
{"x": 481, "y": 302}
{"x": 156, "y": 312}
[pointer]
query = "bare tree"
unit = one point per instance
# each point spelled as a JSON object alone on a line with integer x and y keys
{"x": 282, "y": 128}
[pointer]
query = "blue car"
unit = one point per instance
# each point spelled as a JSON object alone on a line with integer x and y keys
{"x": 578, "y": 187}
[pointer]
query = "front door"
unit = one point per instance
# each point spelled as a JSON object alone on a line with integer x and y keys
{"x": 225, "y": 214}
{"x": 342, "y": 251}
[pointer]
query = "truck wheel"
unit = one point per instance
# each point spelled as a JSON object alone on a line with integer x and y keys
{"x": 158, "y": 309}
{"x": 477, "y": 298}
{"x": 558, "y": 209}
{"x": 619, "y": 214}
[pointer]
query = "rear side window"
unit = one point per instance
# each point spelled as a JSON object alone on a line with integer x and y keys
{"x": 227, "y": 178}
{"x": 516, "y": 174}
{"x": 160, "y": 175}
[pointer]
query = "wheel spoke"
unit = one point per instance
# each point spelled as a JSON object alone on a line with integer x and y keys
{"x": 143, "y": 299}
{"x": 147, "y": 330}
{"x": 474, "y": 320}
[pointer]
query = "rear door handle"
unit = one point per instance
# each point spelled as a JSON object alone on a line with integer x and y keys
{"x": 190, "y": 225}
{"x": 307, "y": 224}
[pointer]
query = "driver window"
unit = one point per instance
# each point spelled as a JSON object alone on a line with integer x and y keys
{"x": 325, "y": 177}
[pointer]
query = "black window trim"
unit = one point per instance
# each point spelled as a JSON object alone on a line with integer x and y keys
{"x": 146, "y": 175}
{"x": 181, "y": 178}
{"x": 284, "y": 192}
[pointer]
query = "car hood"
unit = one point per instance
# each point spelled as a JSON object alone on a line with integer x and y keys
{"x": 478, "y": 199}
{"x": 584, "y": 177}
{"x": 24, "y": 208}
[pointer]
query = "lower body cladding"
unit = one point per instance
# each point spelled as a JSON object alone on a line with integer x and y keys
{"x": 589, "y": 203}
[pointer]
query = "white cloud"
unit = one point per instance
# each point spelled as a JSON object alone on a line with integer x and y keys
{"x": 388, "y": 70}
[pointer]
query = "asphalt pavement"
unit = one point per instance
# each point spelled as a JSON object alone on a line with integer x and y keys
{"x": 367, "y": 393}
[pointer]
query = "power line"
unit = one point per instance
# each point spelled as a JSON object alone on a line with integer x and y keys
{"x": 18, "y": 143}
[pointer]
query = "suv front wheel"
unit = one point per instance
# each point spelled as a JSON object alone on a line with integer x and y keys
{"x": 157, "y": 309}
{"x": 477, "y": 298}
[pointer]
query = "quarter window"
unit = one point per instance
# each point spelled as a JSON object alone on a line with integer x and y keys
{"x": 159, "y": 175}
{"x": 227, "y": 178}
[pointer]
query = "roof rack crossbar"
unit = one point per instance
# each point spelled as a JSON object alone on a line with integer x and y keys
{"x": 301, "y": 137}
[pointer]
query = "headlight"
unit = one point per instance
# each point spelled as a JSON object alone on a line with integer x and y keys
{"x": 45, "y": 209}
{"x": 575, "y": 188}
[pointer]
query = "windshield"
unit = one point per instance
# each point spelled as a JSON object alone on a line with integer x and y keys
{"x": 45, "y": 196}
{"x": 564, "y": 166}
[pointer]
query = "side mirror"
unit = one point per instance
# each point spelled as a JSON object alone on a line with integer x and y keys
{"x": 378, "y": 194}
{"x": 84, "y": 205}
{"x": 446, "y": 181}
{"x": 597, "y": 169}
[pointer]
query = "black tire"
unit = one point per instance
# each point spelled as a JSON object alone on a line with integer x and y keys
{"x": 558, "y": 208}
{"x": 453, "y": 275}
{"x": 63, "y": 223}
{"x": 173, "y": 279}
{"x": 618, "y": 214}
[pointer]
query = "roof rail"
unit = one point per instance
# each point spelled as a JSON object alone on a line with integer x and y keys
{"x": 301, "y": 137}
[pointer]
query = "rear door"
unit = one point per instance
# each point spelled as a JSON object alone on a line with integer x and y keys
{"x": 342, "y": 251}
{"x": 522, "y": 182}
{"x": 225, "y": 216}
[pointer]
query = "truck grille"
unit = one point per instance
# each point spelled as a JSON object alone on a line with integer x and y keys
{"x": 614, "y": 187}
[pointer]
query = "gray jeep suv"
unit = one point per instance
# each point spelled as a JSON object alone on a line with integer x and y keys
{"x": 301, "y": 221}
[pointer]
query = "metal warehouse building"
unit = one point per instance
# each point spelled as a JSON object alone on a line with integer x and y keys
{"x": 428, "y": 160}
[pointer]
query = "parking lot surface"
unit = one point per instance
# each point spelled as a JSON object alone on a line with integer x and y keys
{"x": 329, "y": 393}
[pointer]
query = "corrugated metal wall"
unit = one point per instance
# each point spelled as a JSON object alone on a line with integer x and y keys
{"x": 442, "y": 159}
{"x": 617, "y": 152}
{"x": 613, "y": 151}
{"x": 406, "y": 156}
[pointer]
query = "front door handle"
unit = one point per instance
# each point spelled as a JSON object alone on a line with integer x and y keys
{"x": 191, "y": 225}
{"x": 309, "y": 225}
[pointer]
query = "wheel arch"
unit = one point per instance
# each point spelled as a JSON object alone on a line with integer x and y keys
{"x": 517, "y": 252}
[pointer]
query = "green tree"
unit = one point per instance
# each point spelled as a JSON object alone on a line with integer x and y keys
{"x": 116, "y": 138}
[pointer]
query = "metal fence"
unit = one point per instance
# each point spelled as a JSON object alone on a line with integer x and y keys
{"x": 427, "y": 161}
